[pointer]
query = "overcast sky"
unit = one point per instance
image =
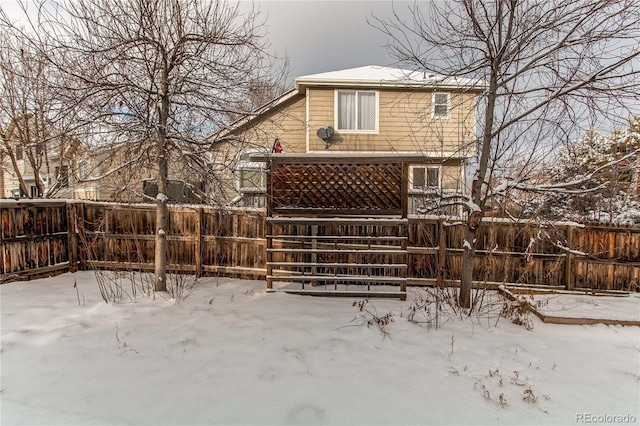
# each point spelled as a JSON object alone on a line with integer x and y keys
{"x": 321, "y": 36}
{"x": 318, "y": 36}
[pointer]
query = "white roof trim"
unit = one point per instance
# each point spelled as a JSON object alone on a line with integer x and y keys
{"x": 258, "y": 112}
{"x": 376, "y": 76}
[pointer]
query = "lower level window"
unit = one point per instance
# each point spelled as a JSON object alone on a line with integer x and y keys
{"x": 425, "y": 177}
{"x": 250, "y": 176}
{"x": 253, "y": 179}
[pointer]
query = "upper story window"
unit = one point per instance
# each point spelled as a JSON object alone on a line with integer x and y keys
{"x": 441, "y": 106}
{"x": 424, "y": 177}
{"x": 356, "y": 111}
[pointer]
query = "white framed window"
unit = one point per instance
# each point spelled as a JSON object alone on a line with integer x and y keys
{"x": 84, "y": 170}
{"x": 252, "y": 180}
{"x": 356, "y": 111}
{"x": 250, "y": 176}
{"x": 423, "y": 178}
{"x": 441, "y": 106}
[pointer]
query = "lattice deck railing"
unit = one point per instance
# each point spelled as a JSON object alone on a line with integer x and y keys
{"x": 338, "y": 184}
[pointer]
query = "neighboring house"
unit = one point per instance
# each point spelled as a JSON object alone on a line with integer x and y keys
{"x": 370, "y": 109}
{"x": 57, "y": 171}
{"x": 93, "y": 174}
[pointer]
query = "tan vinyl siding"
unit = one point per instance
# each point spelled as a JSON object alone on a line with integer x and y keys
{"x": 405, "y": 123}
{"x": 287, "y": 123}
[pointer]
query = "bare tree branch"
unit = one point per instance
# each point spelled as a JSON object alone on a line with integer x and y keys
{"x": 552, "y": 70}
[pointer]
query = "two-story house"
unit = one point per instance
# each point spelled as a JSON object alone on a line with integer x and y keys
{"x": 89, "y": 174}
{"x": 37, "y": 162}
{"x": 369, "y": 109}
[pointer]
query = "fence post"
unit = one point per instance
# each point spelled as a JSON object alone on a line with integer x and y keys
{"x": 269, "y": 253}
{"x": 404, "y": 191}
{"x": 612, "y": 255}
{"x": 314, "y": 254}
{"x": 80, "y": 224}
{"x": 442, "y": 252}
{"x": 73, "y": 238}
{"x": 235, "y": 233}
{"x": 569, "y": 279}
{"x": 199, "y": 244}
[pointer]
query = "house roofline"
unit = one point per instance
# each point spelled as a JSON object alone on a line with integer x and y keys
{"x": 475, "y": 86}
{"x": 381, "y": 77}
{"x": 257, "y": 113}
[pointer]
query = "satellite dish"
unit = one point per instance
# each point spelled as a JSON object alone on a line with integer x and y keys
{"x": 325, "y": 133}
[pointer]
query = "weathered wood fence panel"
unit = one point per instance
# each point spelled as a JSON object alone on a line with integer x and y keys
{"x": 613, "y": 257}
{"x": 40, "y": 237}
{"x": 505, "y": 252}
{"x": 563, "y": 255}
{"x": 34, "y": 238}
{"x": 200, "y": 239}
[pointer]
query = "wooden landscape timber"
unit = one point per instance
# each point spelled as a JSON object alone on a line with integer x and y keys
{"x": 40, "y": 238}
{"x": 553, "y": 319}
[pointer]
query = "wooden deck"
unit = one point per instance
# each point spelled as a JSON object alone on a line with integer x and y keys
{"x": 334, "y": 220}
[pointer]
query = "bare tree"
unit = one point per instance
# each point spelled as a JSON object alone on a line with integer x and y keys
{"x": 548, "y": 67}
{"x": 157, "y": 78}
{"x": 36, "y": 135}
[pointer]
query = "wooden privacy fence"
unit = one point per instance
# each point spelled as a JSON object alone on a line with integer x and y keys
{"x": 200, "y": 240}
{"x": 35, "y": 238}
{"x": 43, "y": 237}
{"x": 553, "y": 255}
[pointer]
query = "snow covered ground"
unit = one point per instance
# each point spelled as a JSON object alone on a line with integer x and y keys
{"x": 231, "y": 354}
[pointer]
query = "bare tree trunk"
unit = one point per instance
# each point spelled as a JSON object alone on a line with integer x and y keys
{"x": 18, "y": 172}
{"x": 477, "y": 197}
{"x": 162, "y": 213}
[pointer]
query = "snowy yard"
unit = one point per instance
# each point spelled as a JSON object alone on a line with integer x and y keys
{"x": 579, "y": 306}
{"x": 231, "y": 354}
